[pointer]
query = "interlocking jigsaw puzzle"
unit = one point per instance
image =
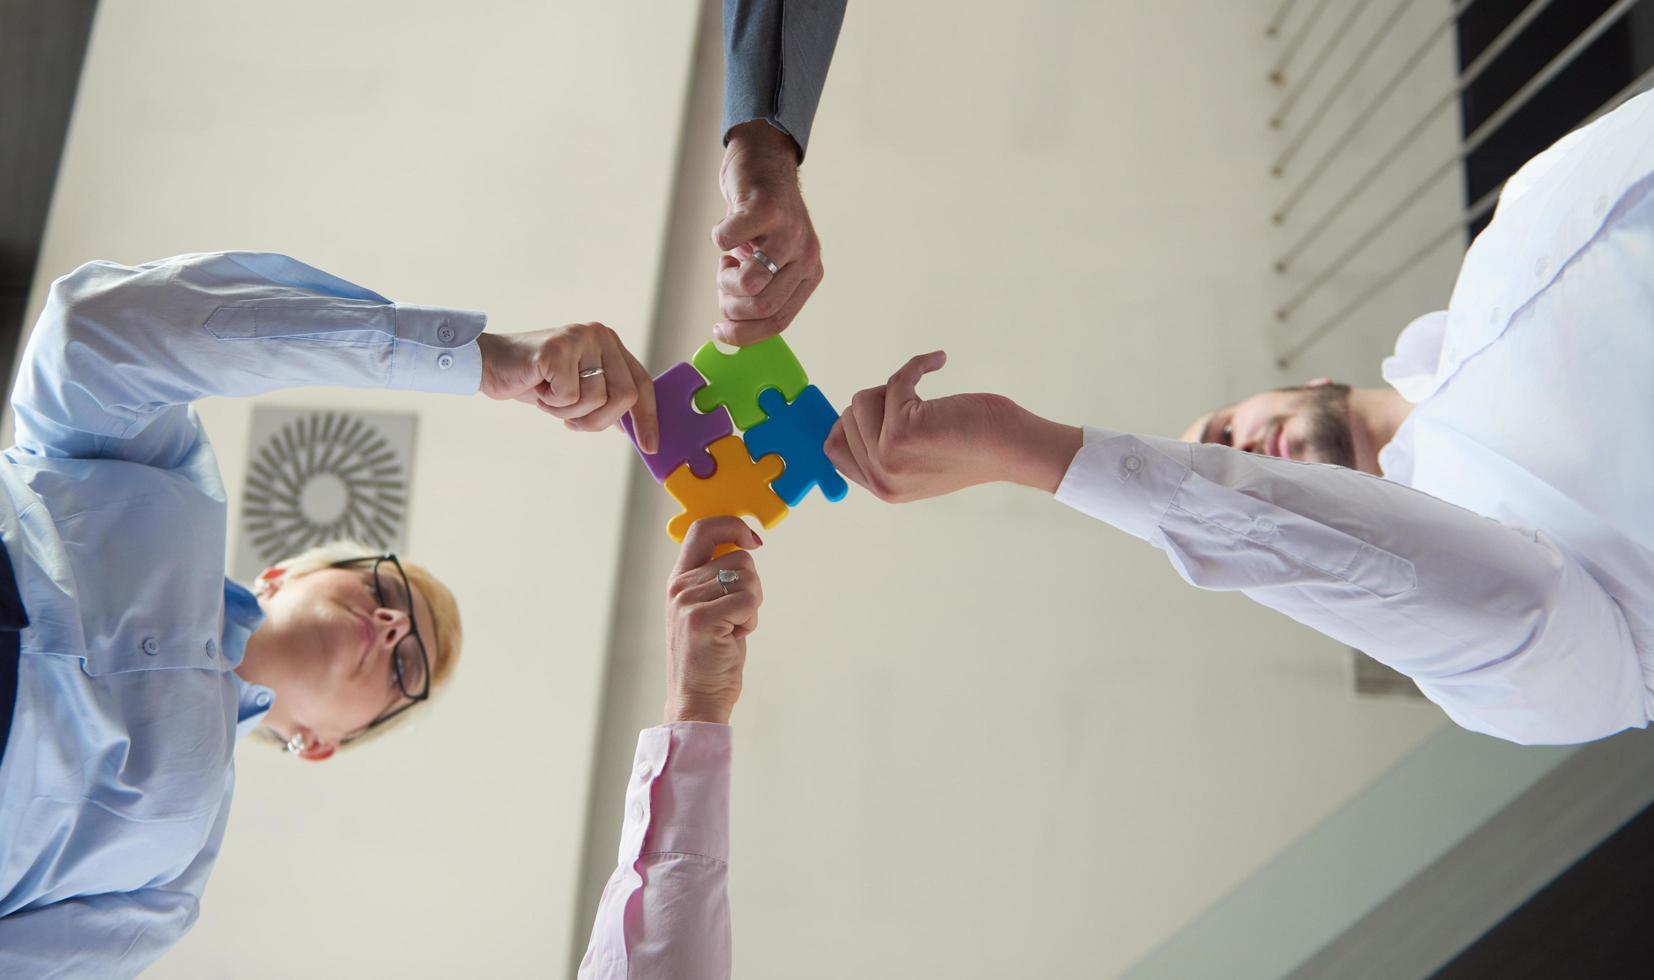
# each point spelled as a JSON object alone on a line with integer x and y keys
{"x": 763, "y": 391}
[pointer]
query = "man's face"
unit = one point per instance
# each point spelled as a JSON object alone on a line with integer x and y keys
{"x": 1310, "y": 424}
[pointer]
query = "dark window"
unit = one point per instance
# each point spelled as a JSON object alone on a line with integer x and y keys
{"x": 42, "y": 45}
{"x": 1597, "y": 74}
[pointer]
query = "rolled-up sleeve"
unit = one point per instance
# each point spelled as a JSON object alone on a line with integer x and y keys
{"x": 665, "y": 910}
{"x": 1509, "y": 635}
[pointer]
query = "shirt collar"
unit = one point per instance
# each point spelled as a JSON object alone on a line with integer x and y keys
{"x": 242, "y": 616}
{"x": 1415, "y": 371}
{"x": 253, "y": 702}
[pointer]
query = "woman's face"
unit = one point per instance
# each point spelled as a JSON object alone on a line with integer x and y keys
{"x": 326, "y": 648}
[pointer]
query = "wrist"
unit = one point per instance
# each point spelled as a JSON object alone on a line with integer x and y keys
{"x": 679, "y": 709}
{"x": 488, "y": 348}
{"x": 763, "y": 140}
{"x": 1036, "y": 452}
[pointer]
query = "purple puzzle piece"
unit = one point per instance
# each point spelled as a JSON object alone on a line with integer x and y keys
{"x": 684, "y": 432}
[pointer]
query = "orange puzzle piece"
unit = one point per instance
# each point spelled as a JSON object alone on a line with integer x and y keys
{"x": 739, "y": 487}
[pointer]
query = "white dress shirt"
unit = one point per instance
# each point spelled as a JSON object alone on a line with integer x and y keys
{"x": 1506, "y": 559}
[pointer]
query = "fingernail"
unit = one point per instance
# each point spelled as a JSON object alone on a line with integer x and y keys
{"x": 757, "y": 538}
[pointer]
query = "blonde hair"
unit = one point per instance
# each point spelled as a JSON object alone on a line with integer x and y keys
{"x": 443, "y": 648}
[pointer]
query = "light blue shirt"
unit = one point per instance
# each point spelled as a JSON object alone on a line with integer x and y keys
{"x": 116, "y": 783}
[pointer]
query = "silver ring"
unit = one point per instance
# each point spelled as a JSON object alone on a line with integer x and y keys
{"x": 590, "y": 373}
{"x": 759, "y": 257}
{"x": 298, "y": 743}
{"x": 726, "y": 578}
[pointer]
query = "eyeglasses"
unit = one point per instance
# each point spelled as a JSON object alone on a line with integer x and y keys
{"x": 410, "y": 665}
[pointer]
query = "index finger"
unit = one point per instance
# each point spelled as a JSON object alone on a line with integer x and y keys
{"x": 645, "y": 420}
{"x": 707, "y": 534}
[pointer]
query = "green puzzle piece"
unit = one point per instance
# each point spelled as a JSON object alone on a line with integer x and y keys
{"x": 734, "y": 380}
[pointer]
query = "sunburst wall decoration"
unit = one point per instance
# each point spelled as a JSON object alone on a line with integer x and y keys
{"x": 315, "y": 475}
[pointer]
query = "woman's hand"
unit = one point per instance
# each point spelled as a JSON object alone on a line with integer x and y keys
{"x": 707, "y": 621}
{"x": 902, "y": 447}
{"x": 544, "y": 368}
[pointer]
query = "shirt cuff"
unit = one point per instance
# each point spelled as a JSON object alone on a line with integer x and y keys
{"x": 436, "y": 350}
{"x": 1124, "y": 480}
{"x": 678, "y": 798}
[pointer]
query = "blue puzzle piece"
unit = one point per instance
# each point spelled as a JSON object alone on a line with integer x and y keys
{"x": 797, "y": 432}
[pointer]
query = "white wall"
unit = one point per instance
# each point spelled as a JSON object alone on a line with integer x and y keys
{"x": 512, "y": 157}
{"x": 983, "y": 736}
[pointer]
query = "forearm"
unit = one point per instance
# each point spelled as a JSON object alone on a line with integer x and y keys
{"x": 117, "y": 347}
{"x": 1035, "y": 451}
{"x": 776, "y": 56}
{"x": 1510, "y": 635}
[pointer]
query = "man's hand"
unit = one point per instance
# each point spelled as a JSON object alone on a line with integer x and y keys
{"x": 764, "y": 211}
{"x": 544, "y": 369}
{"x": 902, "y": 447}
{"x": 707, "y": 621}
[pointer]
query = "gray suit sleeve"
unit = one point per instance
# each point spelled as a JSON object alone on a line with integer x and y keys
{"x": 776, "y": 54}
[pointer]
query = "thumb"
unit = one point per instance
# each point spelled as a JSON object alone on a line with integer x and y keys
{"x": 506, "y": 372}
{"x": 738, "y": 228}
{"x": 903, "y": 384}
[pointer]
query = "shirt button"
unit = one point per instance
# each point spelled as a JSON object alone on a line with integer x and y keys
{"x": 212, "y": 646}
{"x": 1601, "y": 207}
{"x": 445, "y": 333}
{"x": 263, "y": 699}
{"x": 152, "y": 646}
{"x": 642, "y": 770}
{"x": 637, "y": 812}
{"x": 1493, "y": 316}
{"x": 445, "y": 362}
{"x": 1539, "y": 267}
{"x": 1264, "y": 525}
{"x": 1132, "y": 463}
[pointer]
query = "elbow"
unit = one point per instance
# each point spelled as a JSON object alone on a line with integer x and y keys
{"x": 85, "y": 281}
{"x": 1552, "y": 661}
{"x": 1528, "y": 605}
{"x": 68, "y": 309}
{"x": 92, "y": 318}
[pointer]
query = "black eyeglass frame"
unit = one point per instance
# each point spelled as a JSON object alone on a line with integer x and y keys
{"x": 413, "y": 630}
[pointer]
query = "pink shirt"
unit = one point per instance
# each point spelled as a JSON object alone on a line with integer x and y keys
{"x": 665, "y": 911}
